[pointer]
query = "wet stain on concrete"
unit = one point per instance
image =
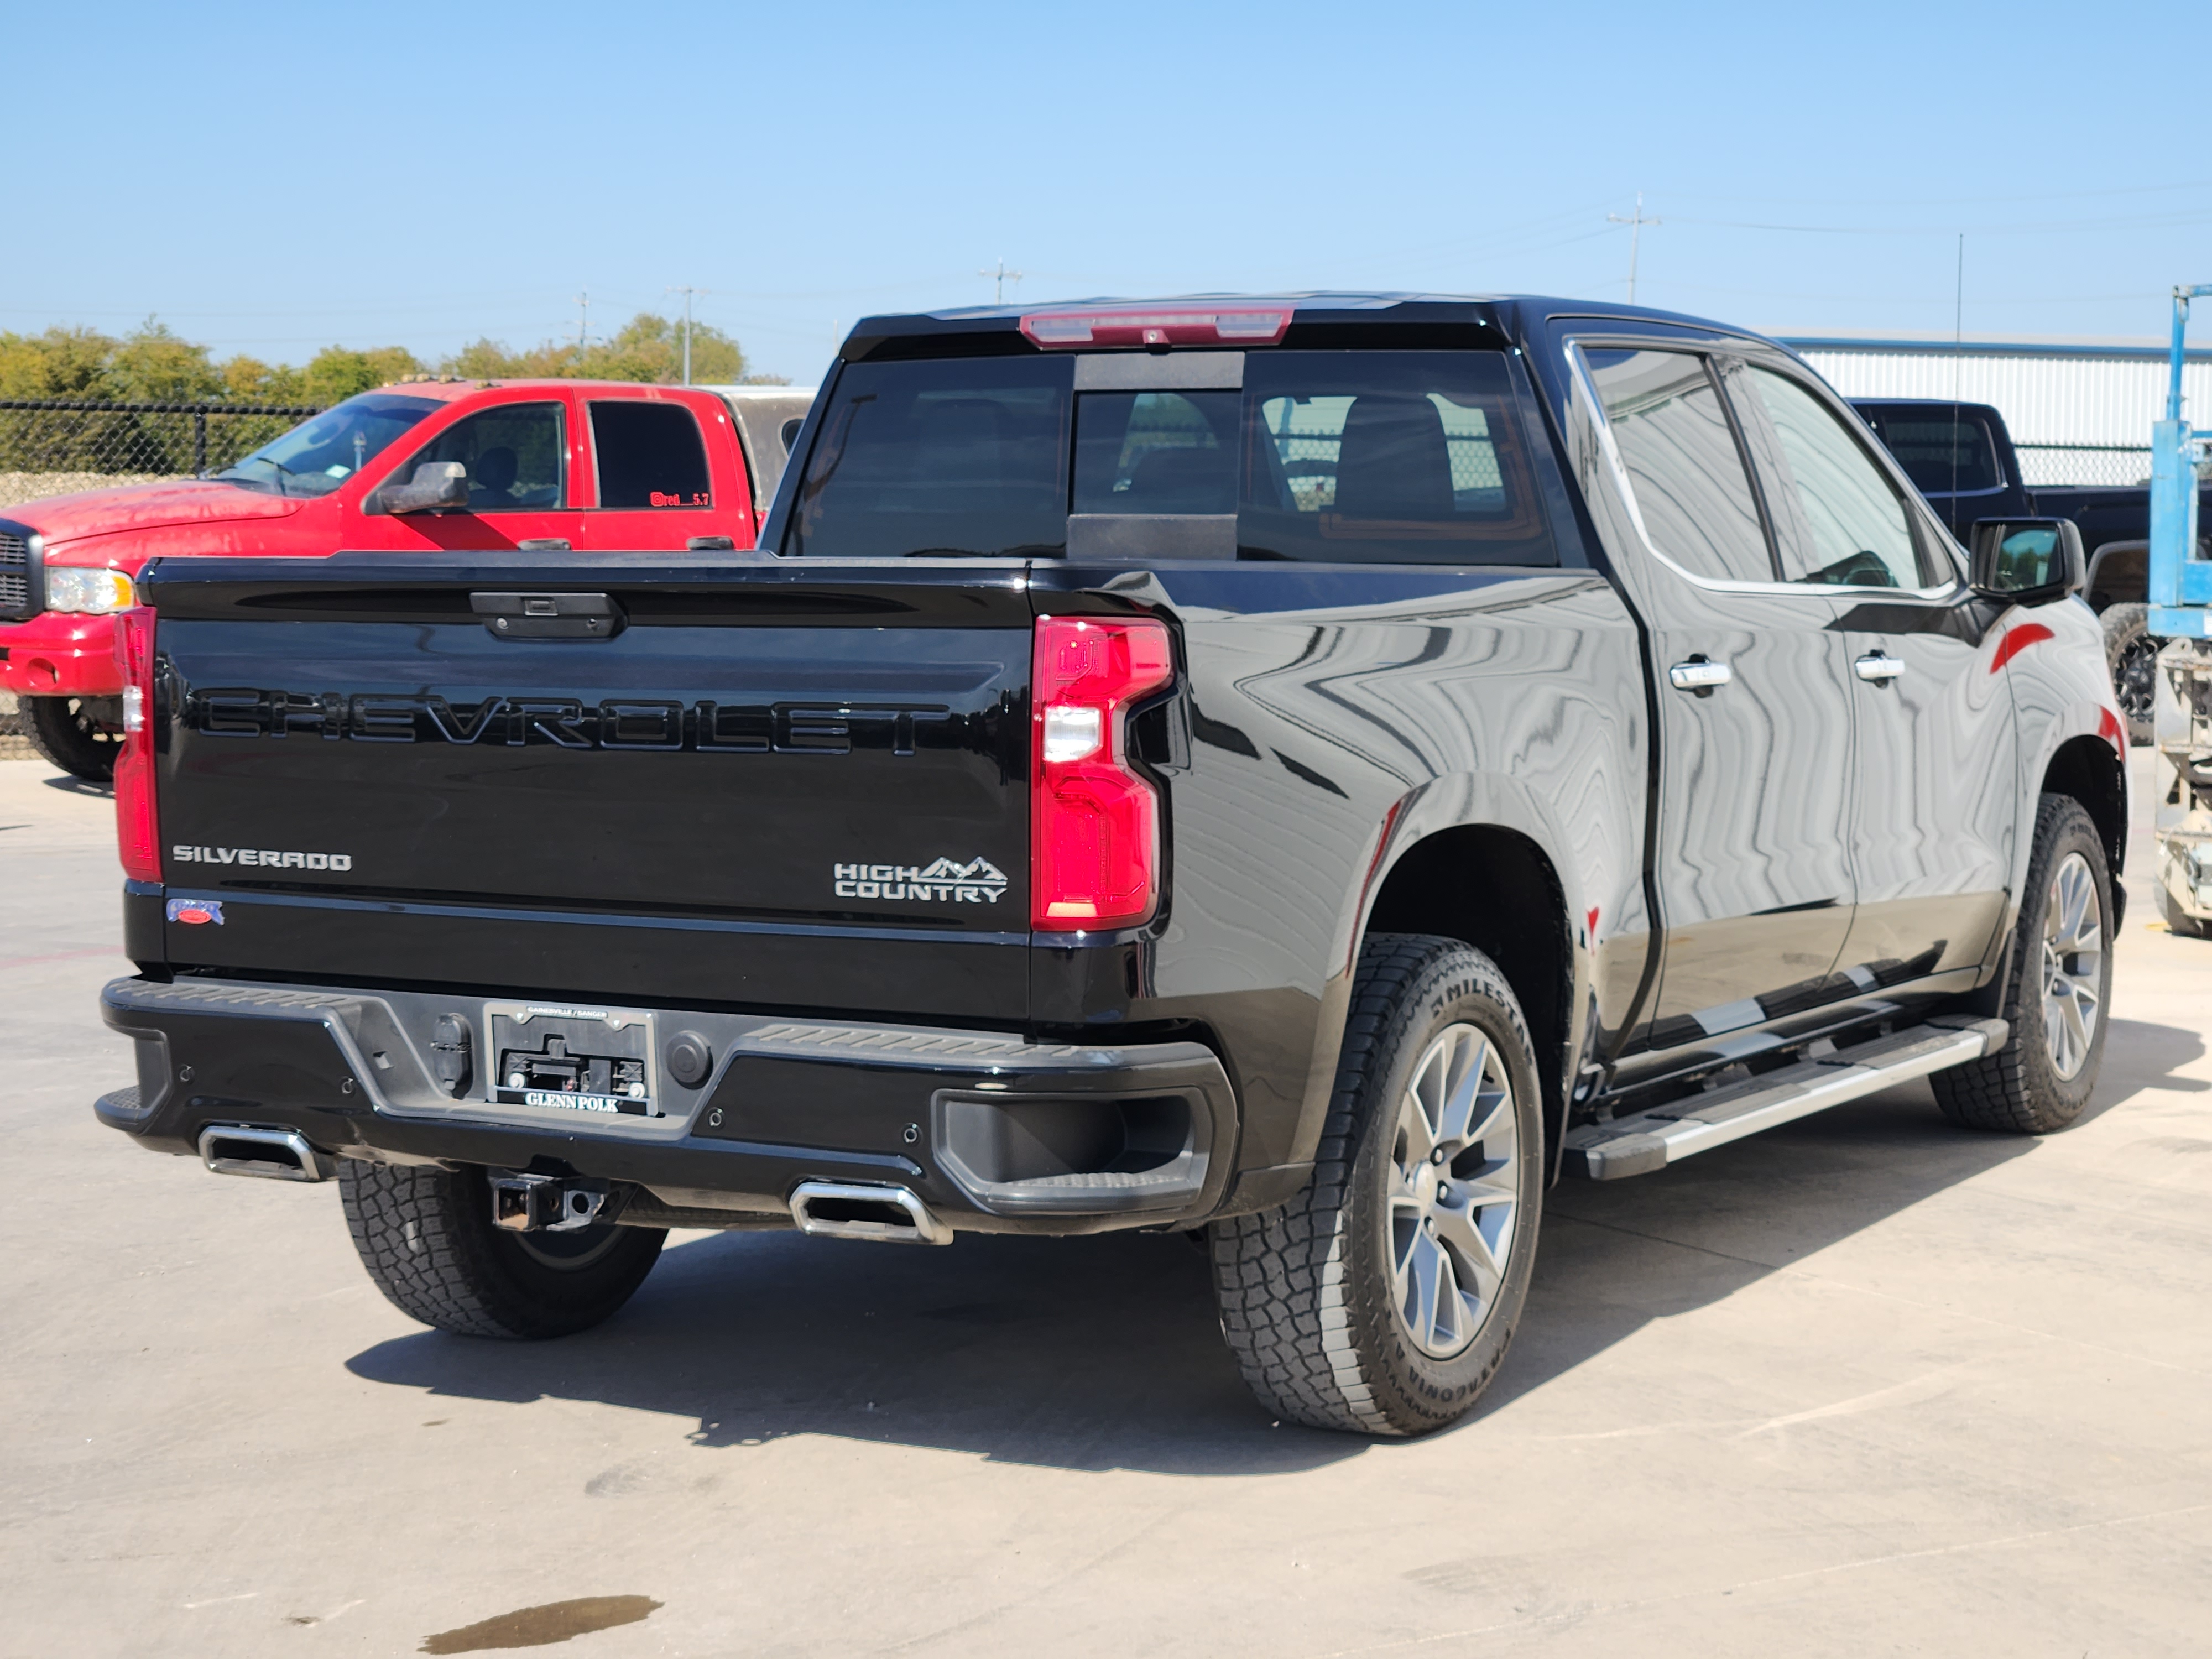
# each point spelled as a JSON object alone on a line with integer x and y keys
{"x": 540, "y": 1626}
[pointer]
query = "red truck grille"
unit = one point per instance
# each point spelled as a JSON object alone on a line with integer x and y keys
{"x": 15, "y": 574}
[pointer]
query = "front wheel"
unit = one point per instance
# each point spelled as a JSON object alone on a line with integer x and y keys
{"x": 427, "y": 1238}
{"x": 1382, "y": 1298}
{"x": 81, "y": 735}
{"x": 2057, "y": 987}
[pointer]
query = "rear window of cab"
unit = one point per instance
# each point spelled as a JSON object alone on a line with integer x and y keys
{"x": 1342, "y": 456}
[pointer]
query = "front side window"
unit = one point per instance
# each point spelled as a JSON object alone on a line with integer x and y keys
{"x": 648, "y": 455}
{"x": 963, "y": 456}
{"x": 1684, "y": 464}
{"x": 513, "y": 453}
{"x": 1838, "y": 518}
{"x": 315, "y": 458}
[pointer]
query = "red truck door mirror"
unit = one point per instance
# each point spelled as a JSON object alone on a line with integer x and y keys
{"x": 2028, "y": 561}
{"x": 438, "y": 486}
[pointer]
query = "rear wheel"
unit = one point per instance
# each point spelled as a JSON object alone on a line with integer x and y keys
{"x": 2131, "y": 654}
{"x": 427, "y": 1238}
{"x": 81, "y": 735}
{"x": 1382, "y": 1298}
{"x": 2057, "y": 989}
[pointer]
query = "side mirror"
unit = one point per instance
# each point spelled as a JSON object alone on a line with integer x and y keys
{"x": 2028, "y": 561}
{"x": 438, "y": 486}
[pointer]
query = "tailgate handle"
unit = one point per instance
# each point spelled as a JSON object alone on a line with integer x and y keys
{"x": 548, "y": 615}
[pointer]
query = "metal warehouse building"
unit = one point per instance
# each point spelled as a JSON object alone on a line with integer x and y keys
{"x": 2080, "y": 410}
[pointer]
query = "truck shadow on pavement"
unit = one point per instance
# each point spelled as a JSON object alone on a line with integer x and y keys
{"x": 1103, "y": 1353}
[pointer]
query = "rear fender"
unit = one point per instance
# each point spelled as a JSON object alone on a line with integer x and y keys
{"x": 1472, "y": 801}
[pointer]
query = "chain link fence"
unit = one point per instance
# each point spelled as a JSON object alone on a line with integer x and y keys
{"x": 43, "y": 439}
{"x": 2090, "y": 466}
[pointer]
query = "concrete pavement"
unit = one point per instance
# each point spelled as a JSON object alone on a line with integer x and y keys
{"x": 1867, "y": 1384}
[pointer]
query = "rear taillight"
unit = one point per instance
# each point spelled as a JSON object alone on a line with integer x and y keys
{"x": 138, "y": 831}
{"x": 1094, "y": 822}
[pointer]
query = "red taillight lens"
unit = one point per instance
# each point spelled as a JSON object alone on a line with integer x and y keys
{"x": 1195, "y": 324}
{"x": 138, "y": 831}
{"x": 1094, "y": 823}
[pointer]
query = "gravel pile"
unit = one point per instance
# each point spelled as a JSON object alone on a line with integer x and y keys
{"x": 14, "y": 745}
{"x": 17, "y": 488}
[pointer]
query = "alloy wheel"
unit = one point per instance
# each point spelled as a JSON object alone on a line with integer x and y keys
{"x": 2135, "y": 679}
{"x": 2072, "y": 965}
{"x": 1455, "y": 1191}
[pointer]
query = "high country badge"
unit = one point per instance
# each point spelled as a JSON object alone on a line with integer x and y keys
{"x": 979, "y": 881}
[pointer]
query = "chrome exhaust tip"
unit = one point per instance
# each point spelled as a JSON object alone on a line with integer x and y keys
{"x": 880, "y": 1213}
{"x": 240, "y": 1149}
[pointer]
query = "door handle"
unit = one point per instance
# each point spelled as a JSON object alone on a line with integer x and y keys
{"x": 1877, "y": 667}
{"x": 1698, "y": 674}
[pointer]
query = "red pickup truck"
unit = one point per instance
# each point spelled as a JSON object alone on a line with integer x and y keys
{"x": 463, "y": 466}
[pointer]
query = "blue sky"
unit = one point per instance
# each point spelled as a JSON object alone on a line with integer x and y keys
{"x": 275, "y": 180}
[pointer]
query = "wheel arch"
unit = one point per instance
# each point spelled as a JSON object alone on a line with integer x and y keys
{"x": 2085, "y": 768}
{"x": 1496, "y": 887}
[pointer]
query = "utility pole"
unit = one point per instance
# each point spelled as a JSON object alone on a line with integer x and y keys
{"x": 1635, "y": 224}
{"x": 583, "y": 321}
{"x": 999, "y": 277}
{"x": 687, "y": 293}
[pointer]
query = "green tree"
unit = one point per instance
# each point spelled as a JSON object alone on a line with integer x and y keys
{"x": 153, "y": 366}
{"x": 335, "y": 373}
{"x": 249, "y": 380}
{"x": 648, "y": 348}
{"x": 62, "y": 362}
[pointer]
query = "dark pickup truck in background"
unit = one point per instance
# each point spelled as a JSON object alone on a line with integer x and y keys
{"x": 1313, "y": 769}
{"x": 1962, "y": 457}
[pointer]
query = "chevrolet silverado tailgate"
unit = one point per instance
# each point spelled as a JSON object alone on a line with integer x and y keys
{"x": 731, "y": 784}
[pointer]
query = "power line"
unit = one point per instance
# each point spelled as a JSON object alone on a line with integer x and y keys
{"x": 583, "y": 321}
{"x": 1635, "y": 224}
{"x": 1000, "y": 276}
{"x": 687, "y": 293}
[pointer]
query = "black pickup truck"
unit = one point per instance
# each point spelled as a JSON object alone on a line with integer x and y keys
{"x": 1313, "y": 771}
{"x": 1961, "y": 456}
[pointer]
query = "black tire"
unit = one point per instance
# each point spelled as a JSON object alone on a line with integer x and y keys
{"x": 81, "y": 735}
{"x": 426, "y": 1236}
{"x": 1308, "y": 1292}
{"x": 2022, "y": 1088}
{"x": 2178, "y": 921}
{"x": 2132, "y": 655}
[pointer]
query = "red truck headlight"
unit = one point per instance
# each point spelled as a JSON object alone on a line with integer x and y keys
{"x": 1094, "y": 820}
{"x": 137, "y": 828}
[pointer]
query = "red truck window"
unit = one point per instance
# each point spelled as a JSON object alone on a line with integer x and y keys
{"x": 649, "y": 455}
{"x": 514, "y": 452}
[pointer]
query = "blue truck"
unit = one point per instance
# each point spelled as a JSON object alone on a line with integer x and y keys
{"x": 1962, "y": 457}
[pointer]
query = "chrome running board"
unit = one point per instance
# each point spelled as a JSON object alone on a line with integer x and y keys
{"x": 1666, "y": 1134}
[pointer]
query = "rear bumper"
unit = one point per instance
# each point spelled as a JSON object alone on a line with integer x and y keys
{"x": 55, "y": 654}
{"x": 993, "y": 1133}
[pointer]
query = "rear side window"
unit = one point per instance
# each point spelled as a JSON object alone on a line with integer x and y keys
{"x": 1685, "y": 467}
{"x": 965, "y": 456}
{"x": 513, "y": 453}
{"x": 1941, "y": 455}
{"x": 649, "y": 454}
